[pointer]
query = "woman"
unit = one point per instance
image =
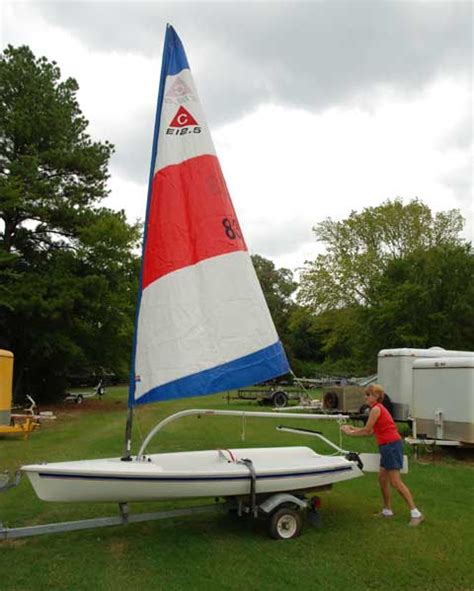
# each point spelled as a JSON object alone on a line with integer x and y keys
{"x": 381, "y": 424}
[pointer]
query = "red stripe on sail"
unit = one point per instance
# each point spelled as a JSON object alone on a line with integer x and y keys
{"x": 191, "y": 218}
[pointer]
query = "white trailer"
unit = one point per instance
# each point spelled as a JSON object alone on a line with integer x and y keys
{"x": 433, "y": 389}
{"x": 443, "y": 405}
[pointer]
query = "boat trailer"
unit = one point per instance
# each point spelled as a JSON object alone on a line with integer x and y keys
{"x": 79, "y": 397}
{"x": 282, "y": 511}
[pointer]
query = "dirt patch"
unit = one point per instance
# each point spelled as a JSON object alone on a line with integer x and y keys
{"x": 118, "y": 548}
{"x": 15, "y": 543}
{"x": 446, "y": 455}
{"x": 70, "y": 408}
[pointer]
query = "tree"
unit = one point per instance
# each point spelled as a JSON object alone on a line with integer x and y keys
{"x": 359, "y": 248}
{"x": 385, "y": 281}
{"x": 67, "y": 268}
{"x": 330, "y": 342}
{"x": 305, "y": 337}
{"x": 424, "y": 299}
{"x": 277, "y": 286}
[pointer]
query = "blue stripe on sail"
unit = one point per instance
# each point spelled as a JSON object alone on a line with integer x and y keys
{"x": 244, "y": 371}
{"x": 177, "y": 56}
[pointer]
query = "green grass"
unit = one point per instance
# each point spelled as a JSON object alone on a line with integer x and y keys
{"x": 351, "y": 550}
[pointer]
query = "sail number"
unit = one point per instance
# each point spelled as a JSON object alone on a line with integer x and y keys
{"x": 232, "y": 228}
{"x": 182, "y": 130}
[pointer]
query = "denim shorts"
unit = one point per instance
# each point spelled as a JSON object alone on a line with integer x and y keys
{"x": 391, "y": 455}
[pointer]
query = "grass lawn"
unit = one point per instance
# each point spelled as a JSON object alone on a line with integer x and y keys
{"x": 352, "y": 550}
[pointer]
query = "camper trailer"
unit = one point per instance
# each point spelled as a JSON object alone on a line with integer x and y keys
{"x": 431, "y": 388}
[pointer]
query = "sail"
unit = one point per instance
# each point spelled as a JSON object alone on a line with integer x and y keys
{"x": 203, "y": 325}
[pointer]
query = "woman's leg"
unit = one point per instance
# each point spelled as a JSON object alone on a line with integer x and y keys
{"x": 384, "y": 482}
{"x": 397, "y": 483}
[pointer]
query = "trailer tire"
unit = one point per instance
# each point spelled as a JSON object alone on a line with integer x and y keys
{"x": 79, "y": 399}
{"x": 280, "y": 399}
{"x": 331, "y": 400}
{"x": 285, "y": 524}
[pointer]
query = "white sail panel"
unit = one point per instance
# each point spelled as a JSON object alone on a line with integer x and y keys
{"x": 200, "y": 317}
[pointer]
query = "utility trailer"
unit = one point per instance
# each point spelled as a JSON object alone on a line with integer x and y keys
{"x": 274, "y": 396}
{"x": 348, "y": 399}
{"x": 443, "y": 398}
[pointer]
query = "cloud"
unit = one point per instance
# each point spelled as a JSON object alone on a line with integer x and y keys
{"x": 303, "y": 54}
{"x": 316, "y": 108}
{"x": 288, "y": 169}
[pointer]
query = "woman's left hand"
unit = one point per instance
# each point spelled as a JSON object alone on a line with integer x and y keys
{"x": 347, "y": 429}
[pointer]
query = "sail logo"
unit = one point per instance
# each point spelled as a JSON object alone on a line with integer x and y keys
{"x": 183, "y": 123}
{"x": 180, "y": 92}
{"x": 183, "y": 118}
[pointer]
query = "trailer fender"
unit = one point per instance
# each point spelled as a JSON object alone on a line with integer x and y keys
{"x": 270, "y": 504}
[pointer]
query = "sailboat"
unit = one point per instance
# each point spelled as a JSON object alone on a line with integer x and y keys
{"x": 202, "y": 327}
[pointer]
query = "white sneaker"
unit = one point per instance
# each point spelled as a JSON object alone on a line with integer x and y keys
{"x": 415, "y": 521}
{"x": 384, "y": 515}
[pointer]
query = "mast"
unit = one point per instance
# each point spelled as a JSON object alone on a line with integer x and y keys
{"x": 127, "y": 457}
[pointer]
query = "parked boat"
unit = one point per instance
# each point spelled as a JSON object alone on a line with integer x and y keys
{"x": 210, "y": 473}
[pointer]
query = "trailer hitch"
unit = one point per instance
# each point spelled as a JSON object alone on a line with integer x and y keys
{"x": 353, "y": 456}
{"x": 7, "y": 483}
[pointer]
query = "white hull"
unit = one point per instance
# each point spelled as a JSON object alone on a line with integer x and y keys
{"x": 213, "y": 473}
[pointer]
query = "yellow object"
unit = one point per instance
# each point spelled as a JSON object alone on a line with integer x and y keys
{"x": 24, "y": 428}
{"x": 8, "y": 425}
{"x": 6, "y": 382}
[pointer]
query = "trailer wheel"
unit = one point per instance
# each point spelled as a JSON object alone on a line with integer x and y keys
{"x": 79, "y": 399}
{"x": 285, "y": 524}
{"x": 280, "y": 399}
{"x": 331, "y": 400}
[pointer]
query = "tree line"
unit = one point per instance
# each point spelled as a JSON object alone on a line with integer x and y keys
{"x": 391, "y": 276}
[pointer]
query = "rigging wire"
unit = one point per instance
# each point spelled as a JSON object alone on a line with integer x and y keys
{"x": 137, "y": 422}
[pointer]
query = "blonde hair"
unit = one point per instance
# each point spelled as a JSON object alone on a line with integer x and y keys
{"x": 376, "y": 390}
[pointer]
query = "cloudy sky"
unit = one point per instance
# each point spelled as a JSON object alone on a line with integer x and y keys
{"x": 316, "y": 108}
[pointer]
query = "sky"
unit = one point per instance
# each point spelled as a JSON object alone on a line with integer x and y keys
{"x": 316, "y": 108}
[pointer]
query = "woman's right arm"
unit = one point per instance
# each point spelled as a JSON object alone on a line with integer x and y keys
{"x": 368, "y": 429}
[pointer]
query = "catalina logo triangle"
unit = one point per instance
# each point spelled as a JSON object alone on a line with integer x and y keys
{"x": 183, "y": 118}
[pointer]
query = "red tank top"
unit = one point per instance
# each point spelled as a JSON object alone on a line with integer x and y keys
{"x": 385, "y": 430}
